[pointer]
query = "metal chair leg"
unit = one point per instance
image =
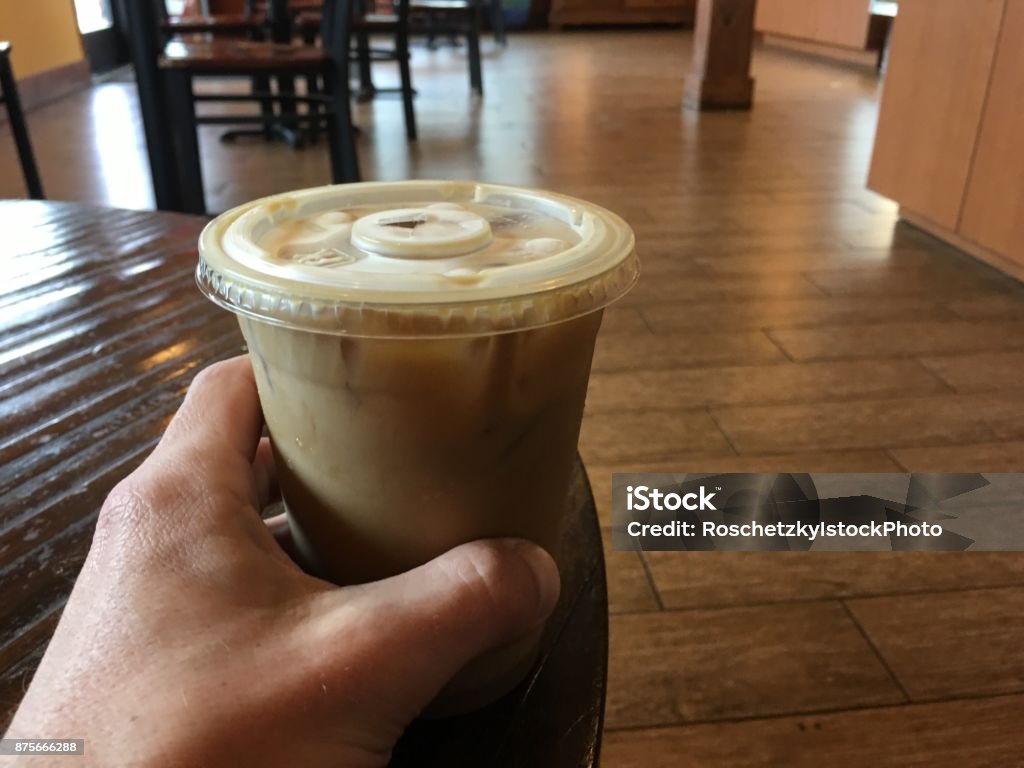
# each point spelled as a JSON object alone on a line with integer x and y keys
{"x": 261, "y": 84}
{"x": 309, "y": 35}
{"x": 402, "y": 50}
{"x": 186, "y": 141}
{"x": 498, "y": 22}
{"x": 21, "y": 139}
{"x": 340, "y": 134}
{"x": 476, "y": 80}
{"x": 289, "y": 109}
{"x": 313, "y": 109}
{"x": 366, "y": 86}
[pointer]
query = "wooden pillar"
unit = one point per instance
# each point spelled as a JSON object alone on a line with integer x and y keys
{"x": 722, "y": 43}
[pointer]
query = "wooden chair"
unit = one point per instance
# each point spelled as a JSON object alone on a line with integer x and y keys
{"x": 249, "y": 25}
{"x": 497, "y": 20}
{"x": 392, "y": 20}
{"x": 9, "y": 96}
{"x": 456, "y": 18}
{"x": 180, "y": 62}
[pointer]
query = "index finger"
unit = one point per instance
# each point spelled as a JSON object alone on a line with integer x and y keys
{"x": 204, "y": 456}
{"x": 220, "y": 416}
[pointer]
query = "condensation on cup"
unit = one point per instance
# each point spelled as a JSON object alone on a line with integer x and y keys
{"x": 422, "y": 351}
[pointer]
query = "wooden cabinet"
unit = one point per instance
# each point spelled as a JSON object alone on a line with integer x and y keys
{"x": 571, "y": 12}
{"x": 993, "y": 214}
{"x": 934, "y": 94}
{"x": 832, "y": 22}
{"x": 950, "y": 142}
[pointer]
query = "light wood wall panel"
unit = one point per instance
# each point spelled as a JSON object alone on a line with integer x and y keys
{"x": 993, "y": 213}
{"x": 939, "y": 67}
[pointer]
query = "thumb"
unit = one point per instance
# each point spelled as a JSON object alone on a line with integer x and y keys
{"x": 426, "y": 625}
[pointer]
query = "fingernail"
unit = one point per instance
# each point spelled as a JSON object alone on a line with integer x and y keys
{"x": 545, "y": 576}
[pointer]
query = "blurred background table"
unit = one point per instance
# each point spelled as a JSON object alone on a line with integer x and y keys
{"x": 101, "y": 331}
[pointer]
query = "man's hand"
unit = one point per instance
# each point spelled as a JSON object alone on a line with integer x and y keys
{"x": 191, "y": 639}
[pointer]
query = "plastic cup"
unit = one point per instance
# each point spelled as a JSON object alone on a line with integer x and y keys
{"x": 422, "y": 352}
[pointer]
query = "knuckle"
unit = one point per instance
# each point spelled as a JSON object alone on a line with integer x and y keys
{"x": 208, "y": 376}
{"x": 492, "y": 579}
{"x": 124, "y": 510}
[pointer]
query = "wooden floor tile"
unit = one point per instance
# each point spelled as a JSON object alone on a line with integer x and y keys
{"x": 622, "y": 320}
{"x": 1009, "y": 425}
{"x": 684, "y": 288}
{"x": 900, "y": 339}
{"x": 629, "y": 590}
{"x": 764, "y": 261}
{"x": 616, "y": 437}
{"x": 981, "y": 372}
{"x": 882, "y": 235}
{"x": 979, "y": 733}
{"x": 950, "y": 644}
{"x": 799, "y": 214}
{"x": 760, "y": 312}
{"x": 641, "y": 351}
{"x": 965, "y": 281}
{"x": 667, "y": 255}
{"x": 728, "y": 238}
{"x": 1009, "y": 307}
{"x": 739, "y": 662}
{"x": 982, "y": 457}
{"x": 779, "y": 383}
{"x": 703, "y": 579}
{"x": 941, "y": 420}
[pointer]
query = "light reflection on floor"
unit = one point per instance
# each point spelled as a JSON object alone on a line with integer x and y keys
{"x": 122, "y": 167}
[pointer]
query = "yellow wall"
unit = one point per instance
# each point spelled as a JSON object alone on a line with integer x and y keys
{"x": 43, "y": 34}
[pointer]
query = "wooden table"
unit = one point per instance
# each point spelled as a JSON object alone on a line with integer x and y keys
{"x": 101, "y": 331}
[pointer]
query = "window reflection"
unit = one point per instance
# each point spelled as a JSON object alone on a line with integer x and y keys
{"x": 123, "y": 171}
{"x": 93, "y": 15}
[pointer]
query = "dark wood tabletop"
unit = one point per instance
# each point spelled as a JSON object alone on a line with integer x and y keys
{"x": 222, "y": 23}
{"x": 101, "y": 331}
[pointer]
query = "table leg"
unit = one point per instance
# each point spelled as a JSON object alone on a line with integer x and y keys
{"x": 261, "y": 84}
{"x": 280, "y": 27}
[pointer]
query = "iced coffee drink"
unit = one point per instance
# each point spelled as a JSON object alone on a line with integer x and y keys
{"x": 422, "y": 352}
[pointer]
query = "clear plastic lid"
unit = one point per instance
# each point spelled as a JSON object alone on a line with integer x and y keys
{"x": 416, "y": 258}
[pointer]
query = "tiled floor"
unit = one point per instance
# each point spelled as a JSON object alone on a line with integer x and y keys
{"x": 785, "y": 322}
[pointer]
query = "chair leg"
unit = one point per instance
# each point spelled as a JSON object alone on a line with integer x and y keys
{"x": 186, "y": 141}
{"x": 313, "y": 109}
{"x": 366, "y": 87}
{"x": 476, "y": 80}
{"x": 498, "y": 22}
{"x": 261, "y": 84}
{"x": 21, "y": 139}
{"x": 289, "y": 108}
{"x": 341, "y": 138}
{"x": 404, "y": 69}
